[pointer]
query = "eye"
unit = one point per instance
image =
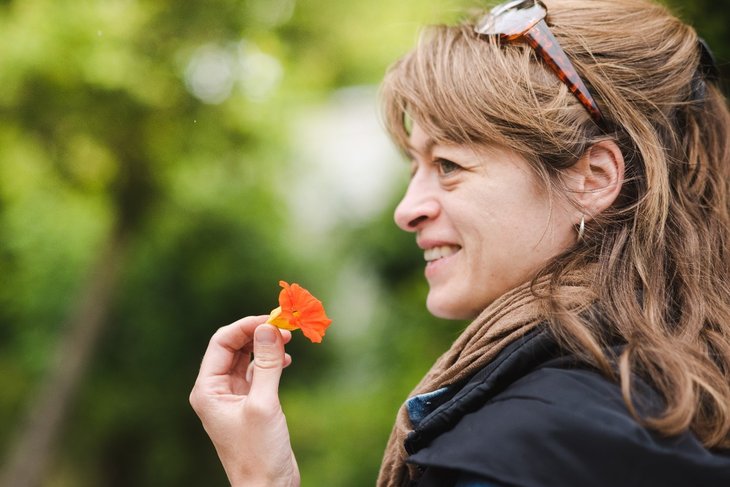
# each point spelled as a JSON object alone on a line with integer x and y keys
{"x": 446, "y": 167}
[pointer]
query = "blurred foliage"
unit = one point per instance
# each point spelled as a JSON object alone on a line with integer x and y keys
{"x": 170, "y": 123}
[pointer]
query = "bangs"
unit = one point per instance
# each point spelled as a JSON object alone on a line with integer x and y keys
{"x": 465, "y": 89}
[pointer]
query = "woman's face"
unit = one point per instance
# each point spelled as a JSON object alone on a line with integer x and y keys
{"x": 483, "y": 220}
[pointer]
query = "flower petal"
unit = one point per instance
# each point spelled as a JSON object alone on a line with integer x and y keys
{"x": 299, "y": 309}
{"x": 279, "y": 321}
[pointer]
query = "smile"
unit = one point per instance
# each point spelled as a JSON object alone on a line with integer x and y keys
{"x": 435, "y": 253}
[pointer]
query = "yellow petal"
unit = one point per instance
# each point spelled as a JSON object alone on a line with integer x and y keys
{"x": 278, "y": 321}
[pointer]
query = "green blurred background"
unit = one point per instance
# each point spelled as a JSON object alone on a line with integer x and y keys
{"x": 162, "y": 165}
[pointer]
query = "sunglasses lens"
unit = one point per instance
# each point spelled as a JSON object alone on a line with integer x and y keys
{"x": 524, "y": 19}
{"x": 512, "y": 19}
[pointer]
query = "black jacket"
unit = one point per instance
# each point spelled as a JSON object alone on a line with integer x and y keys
{"x": 535, "y": 418}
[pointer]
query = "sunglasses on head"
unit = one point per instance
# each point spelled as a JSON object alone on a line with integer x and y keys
{"x": 525, "y": 20}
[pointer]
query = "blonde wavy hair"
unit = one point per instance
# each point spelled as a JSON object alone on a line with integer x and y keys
{"x": 662, "y": 250}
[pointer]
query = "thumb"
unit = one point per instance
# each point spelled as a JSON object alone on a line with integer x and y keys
{"x": 268, "y": 353}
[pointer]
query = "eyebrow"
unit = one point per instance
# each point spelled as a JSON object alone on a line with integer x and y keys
{"x": 428, "y": 147}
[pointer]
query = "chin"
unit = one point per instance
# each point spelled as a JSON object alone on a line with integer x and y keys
{"x": 449, "y": 311}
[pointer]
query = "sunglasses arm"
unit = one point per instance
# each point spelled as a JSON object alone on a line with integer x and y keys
{"x": 547, "y": 47}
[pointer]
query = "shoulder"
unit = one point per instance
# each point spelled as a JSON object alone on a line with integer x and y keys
{"x": 567, "y": 426}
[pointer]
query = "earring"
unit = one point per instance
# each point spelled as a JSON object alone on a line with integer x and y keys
{"x": 581, "y": 228}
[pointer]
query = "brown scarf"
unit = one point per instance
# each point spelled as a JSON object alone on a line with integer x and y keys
{"x": 505, "y": 320}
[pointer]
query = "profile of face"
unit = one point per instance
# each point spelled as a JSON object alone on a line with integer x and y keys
{"x": 484, "y": 221}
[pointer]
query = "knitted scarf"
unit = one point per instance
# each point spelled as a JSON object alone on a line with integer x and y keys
{"x": 505, "y": 320}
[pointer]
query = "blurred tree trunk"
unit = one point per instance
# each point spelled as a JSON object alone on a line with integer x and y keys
{"x": 33, "y": 450}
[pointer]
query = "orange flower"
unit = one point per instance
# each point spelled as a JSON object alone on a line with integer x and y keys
{"x": 298, "y": 309}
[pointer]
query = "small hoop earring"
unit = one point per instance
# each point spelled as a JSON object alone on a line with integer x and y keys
{"x": 581, "y": 228}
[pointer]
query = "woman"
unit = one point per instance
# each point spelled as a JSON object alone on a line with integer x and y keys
{"x": 570, "y": 191}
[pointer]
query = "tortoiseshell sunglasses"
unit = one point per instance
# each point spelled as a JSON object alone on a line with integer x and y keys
{"x": 525, "y": 19}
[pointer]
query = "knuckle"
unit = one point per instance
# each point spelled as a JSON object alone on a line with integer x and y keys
{"x": 262, "y": 410}
{"x": 219, "y": 332}
{"x": 193, "y": 399}
{"x": 197, "y": 400}
{"x": 268, "y": 360}
{"x": 257, "y": 409}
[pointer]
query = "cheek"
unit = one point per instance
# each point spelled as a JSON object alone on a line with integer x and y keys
{"x": 534, "y": 215}
{"x": 516, "y": 233}
{"x": 505, "y": 223}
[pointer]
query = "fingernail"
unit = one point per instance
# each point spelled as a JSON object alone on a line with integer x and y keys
{"x": 265, "y": 335}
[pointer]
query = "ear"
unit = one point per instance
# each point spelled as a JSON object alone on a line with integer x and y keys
{"x": 596, "y": 178}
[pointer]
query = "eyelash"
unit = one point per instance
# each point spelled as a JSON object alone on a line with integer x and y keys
{"x": 453, "y": 167}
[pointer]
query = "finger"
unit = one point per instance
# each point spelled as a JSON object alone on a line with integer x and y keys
{"x": 220, "y": 356}
{"x": 242, "y": 361}
{"x": 249, "y": 369}
{"x": 249, "y": 372}
{"x": 243, "y": 366}
{"x": 285, "y": 335}
{"x": 268, "y": 361}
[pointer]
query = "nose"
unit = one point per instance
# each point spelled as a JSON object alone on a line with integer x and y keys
{"x": 417, "y": 207}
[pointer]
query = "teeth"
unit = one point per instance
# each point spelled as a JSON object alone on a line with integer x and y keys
{"x": 439, "y": 252}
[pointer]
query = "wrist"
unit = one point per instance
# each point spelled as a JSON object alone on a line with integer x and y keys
{"x": 286, "y": 480}
{"x": 267, "y": 483}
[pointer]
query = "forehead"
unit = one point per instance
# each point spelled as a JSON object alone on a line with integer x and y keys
{"x": 419, "y": 140}
{"x": 423, "y": 144}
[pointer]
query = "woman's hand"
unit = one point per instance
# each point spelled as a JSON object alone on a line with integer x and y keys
{"x": 237, "y": 400}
